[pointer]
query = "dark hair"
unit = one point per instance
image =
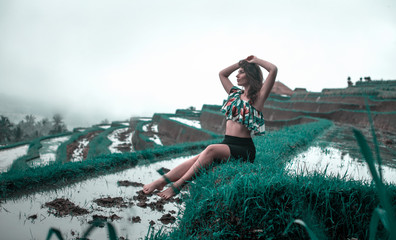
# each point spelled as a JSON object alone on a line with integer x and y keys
{"x": 254, "y": 76}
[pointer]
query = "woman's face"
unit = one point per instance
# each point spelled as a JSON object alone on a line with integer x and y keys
{"x": 241, "y": 77}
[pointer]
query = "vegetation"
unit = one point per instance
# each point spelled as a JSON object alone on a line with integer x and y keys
{"x": 57, "y": 174}
{"x": 100, "y": 144}
{"x": 20, "y": 164}
{"x": 28, "y": 128}
{"x": 244, "y": 201}
{"x": 61, "y": 152}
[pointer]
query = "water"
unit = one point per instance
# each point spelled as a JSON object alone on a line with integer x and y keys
{"x": 114, "y": 137}
{"x": 14, "y": 213}
{"x": 337, "y": 153}
{"x": 7, "y": 156}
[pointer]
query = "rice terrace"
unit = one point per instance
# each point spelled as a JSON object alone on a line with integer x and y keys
{"x": 325, "y": 169}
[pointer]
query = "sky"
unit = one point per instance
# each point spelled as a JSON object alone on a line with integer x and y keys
{"x": 94, "y": 59}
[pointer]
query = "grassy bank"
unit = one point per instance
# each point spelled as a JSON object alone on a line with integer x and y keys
{"x": 249, "y": 201}
{"x": 59, "y": 174}
{"x": 100, "y": 144}
{"x": 20, "y": 164}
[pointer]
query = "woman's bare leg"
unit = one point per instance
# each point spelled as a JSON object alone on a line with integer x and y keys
{"x": 173, "y": 175}
{"x": 215, "y": 151}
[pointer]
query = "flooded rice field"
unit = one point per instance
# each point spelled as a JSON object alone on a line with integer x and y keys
{"x": 121, "y": 140}
{"x": 7, "y": 156}
{"x": 48, "y": 151}
{"x": 337, "y": 154}
{"x": 189, "y": 122}
{"x": 114, "y": 197}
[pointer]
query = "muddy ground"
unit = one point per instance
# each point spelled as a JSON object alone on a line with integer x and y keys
{"x": 62, "y": 207}
{"x": 71, "y": 147}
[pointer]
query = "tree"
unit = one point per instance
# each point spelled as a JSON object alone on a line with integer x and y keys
{"x": 349, "y": 82}
{"x": 44, "y": 127}
{"x": 105, "y": 121}
{"x": 58, "y": 126}
{"x": 5, "y": 129}
{"x": 28, "y": 127}
{"x": 18, "y": 134}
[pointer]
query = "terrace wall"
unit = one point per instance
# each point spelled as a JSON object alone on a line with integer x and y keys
{"x": 139, "y": 140}
{"x": 213, "y": 121}
{"x": 179, "y": 132}
{"x": 382, "y": 120}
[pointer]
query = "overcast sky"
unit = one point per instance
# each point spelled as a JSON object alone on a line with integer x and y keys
{"x": 116, "y": 59}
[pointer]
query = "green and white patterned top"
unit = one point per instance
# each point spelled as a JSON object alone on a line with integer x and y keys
{"x": 243, "y": 112}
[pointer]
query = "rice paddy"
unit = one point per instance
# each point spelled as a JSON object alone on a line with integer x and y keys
{"x": 319, "y": 180}
{"x": 33, "y": 219}
{"x": 8, "y": 156}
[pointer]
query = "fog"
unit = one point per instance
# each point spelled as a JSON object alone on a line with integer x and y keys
{"x": 95, "y": 60}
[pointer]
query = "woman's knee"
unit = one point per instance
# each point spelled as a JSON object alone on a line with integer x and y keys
{"x": 214, "y": 151}
{"x": 209, "y": 150}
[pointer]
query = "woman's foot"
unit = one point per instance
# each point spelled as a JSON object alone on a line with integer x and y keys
{"x": 168, "y": 193}
{"x": 157, "y": 184}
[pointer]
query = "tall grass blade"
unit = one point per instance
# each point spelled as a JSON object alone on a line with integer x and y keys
{"x": 384, "y": 200}
{"x": 302, "y": 223}
{"x": 378, "y": 214}
{"x": 376, "y": 145}
{"x": 56, "y": 232}
{"x": 112, "y": 232}
{"x": 96, "y": 223}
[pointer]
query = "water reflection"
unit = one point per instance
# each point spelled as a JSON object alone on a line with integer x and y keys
{"x": 16, "y": 224}
{"x": 335, "y": 162}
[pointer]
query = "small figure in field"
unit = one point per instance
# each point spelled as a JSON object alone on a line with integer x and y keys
{"x": 243, "y": 111}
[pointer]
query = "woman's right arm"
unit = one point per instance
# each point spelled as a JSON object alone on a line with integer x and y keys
{"x": 224, "y": 74}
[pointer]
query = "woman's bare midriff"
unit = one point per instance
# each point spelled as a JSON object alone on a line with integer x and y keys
{"x": 237, "y": 130}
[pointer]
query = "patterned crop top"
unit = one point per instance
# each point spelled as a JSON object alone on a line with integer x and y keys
{"x": 243, "y": 112}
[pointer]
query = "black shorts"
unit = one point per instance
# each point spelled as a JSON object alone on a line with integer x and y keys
{"x": 240, "y": 148}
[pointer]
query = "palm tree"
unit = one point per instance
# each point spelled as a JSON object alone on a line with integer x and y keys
{"x": 58, "y": 125}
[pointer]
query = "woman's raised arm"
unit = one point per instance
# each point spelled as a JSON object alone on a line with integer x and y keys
{"x": 224, "y": 74}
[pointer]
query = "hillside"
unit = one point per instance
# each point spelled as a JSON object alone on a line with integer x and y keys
{"x": 215, "y": 203}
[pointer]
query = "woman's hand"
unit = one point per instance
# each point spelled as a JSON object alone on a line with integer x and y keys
{"x": 251, "y": 59}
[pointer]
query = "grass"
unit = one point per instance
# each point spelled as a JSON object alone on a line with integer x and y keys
{"x": 239, "y": 200}
{"x": 385, "y": 212}
{"x": 296, "y": 140}
{"x": 100, "y": 144}
{"x": 20, "y": 164}
{"x": 260, "y": 200}
{"x": 61, "y": 152}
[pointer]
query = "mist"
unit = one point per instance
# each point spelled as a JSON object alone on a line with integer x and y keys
{"x": 96, "y": 60}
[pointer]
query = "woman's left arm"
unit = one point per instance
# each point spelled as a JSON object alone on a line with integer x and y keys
{"x": 270, "y": 80}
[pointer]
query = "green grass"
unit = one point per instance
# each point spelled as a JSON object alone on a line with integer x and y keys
{"x": 242, "y": 200}
{"x": 140, "y": 134}
{"x": 100, "y": 144}
{"x": 20, "y": 164}
{"x": 61, "y": 152}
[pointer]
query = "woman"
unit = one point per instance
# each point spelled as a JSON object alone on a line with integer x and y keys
{"x": 243, "y": 110}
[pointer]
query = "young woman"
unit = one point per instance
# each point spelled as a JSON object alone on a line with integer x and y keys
{"x": 243, "y": 110}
